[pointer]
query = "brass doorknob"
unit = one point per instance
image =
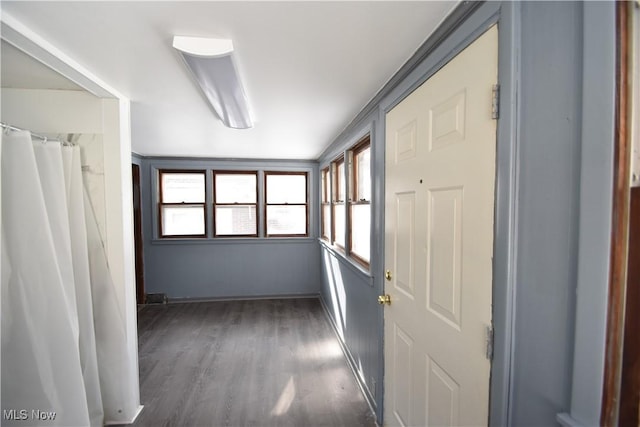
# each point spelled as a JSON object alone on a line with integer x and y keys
{"x": 387, "y": 274}
{"x": 384, "y": 299}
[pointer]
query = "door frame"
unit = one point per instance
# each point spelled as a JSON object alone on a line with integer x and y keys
{"x": 506, "y": 194}
{"x": 138, "y": 233}
{"x": 621, "y": 389}
{"x": 432, "y": 94}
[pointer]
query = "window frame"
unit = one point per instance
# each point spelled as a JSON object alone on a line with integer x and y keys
{"x": 325, "y": 201}
{"x": 266, "y": 204}
{"x": 336, "y": 203}
{"x": 214, "y": 173}
{"x": 162, "y": 204}
{"x": 358, "y": 148}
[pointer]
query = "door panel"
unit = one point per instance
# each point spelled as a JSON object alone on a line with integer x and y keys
{"x": 447, "y": 122}
{"x": 405, "y": 243}
{"x": 439, "y": 207}
{"x": 403, "y": 352}
{"x": 443, "y": 401}
{"x": 444, "y": 273}
{"x": 405, "y": 146}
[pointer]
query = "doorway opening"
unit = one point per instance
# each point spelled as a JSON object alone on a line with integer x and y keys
{"x": 137, "y": 235}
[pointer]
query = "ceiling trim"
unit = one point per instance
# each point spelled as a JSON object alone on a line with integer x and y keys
{"x": 22, "y": 37}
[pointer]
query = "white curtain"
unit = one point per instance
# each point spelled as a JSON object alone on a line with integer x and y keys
{"x": 63, "y": 338}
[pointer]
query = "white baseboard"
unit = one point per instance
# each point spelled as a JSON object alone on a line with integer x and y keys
{"x": 131, "y": 421}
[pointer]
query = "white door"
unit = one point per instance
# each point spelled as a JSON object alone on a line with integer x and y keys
{"x": 439, "y": 208}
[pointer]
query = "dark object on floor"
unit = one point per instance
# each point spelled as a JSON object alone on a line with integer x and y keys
{"x": 156, "y": 299}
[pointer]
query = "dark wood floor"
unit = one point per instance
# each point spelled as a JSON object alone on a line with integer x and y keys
{"x": 245, "y": 363}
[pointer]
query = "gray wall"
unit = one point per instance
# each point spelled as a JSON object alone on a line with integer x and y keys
{"x": 348, "y": 292}
{"x": 229, "y": 267}
{"x": 549, "y": 173}
{"x": 349, "y": 298}
{"x": 596, "y": 207}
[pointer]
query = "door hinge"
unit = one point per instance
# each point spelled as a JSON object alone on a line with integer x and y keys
{"x": 495, "y": 101}
{"x": 489, "y": 342}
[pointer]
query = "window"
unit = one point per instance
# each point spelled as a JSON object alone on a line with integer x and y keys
{"x": 360, "y": 202}
{"x": 236, "y": 203}
{"x": 338, "y": 205}
{"x": 325, "y": 197}
{"x": 235, "y": 197}
{"x": 286, "y": 210}
{"x": 182, "y": 208}
{"x": 346, "y": 202}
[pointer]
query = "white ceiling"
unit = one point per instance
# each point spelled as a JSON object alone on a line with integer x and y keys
{"x": 308, "y": 67}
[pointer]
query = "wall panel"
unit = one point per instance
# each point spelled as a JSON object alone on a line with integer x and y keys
{"x": 223, "y": 267}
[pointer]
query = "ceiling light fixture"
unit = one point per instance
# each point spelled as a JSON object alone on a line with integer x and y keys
{"x": 211, "y": 63}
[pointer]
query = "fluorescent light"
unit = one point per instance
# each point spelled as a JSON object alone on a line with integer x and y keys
{"x": 211, "y": 63}
{"x": 200, "y": 46}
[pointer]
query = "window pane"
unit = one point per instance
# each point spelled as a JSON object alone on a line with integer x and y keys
{"x": 182, "y": 220}
{"x": 326, "y": 221}
{"x": 235, "y": 188}
{"x": 286, "y": 188}
{"x": 325, "y": 186}
{"x": 340, "y": 181}
{"x": 338, "y": 217}
{"x": 182, "y": 187}
{"x": 363, "y": 162}
{"x": 360, "y": 230}
{"x": 286, "y": 220}
{"x": 236, "y": 220}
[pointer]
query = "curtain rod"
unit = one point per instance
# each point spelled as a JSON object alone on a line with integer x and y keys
{"x": 33, "y": 135}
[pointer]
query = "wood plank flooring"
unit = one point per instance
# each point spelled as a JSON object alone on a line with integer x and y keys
{"x": 245, "y": 363}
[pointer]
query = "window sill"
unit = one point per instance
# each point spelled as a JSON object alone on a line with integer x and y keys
{"x": 349, "y": 262}
{"x": 231, "y": 240}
